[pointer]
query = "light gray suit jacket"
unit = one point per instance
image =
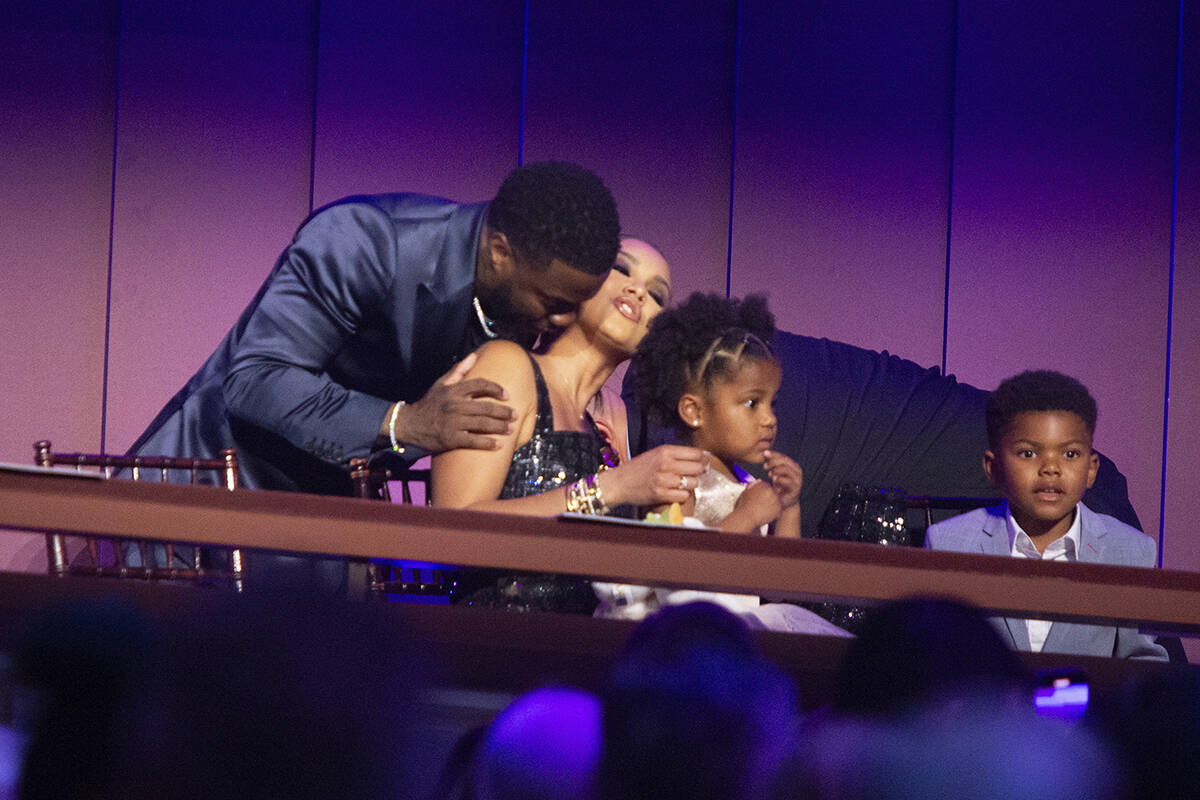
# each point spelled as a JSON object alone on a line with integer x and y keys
{"x": 1102, "y": 540}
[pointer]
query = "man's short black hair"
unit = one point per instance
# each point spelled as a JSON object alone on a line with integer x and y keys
{"x": 1037, "y": 390}
{"x": 555, "y": 209}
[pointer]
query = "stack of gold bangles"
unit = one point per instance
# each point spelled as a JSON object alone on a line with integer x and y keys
{"x": 585, "y": 497}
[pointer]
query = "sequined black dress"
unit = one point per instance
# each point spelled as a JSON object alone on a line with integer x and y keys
{"x": 549, "y": 460}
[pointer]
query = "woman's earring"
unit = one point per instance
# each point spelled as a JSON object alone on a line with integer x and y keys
{"x": 695, "y": 423}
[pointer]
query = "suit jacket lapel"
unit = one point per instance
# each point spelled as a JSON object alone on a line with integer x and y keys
{"x": 994, "y": 542}
{"x": 443, "y": 328}
{"x": 1092, "y": 531}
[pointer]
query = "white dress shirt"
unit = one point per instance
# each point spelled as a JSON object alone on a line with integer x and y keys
{"x": 1063, "y": 548}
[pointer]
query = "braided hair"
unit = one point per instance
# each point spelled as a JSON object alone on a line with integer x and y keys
{"x": 694, "y": 344}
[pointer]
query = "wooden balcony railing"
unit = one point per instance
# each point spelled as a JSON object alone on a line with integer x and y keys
{"x": 1158, "y": 600}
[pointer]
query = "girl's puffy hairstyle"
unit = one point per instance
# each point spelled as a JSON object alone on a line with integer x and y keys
{"x": 693, "y": 344}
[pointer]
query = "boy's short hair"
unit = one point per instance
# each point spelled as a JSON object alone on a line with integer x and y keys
{"x": 1037, "y": 390}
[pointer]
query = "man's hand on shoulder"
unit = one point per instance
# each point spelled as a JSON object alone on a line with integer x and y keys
{"x": 456, "y": 413}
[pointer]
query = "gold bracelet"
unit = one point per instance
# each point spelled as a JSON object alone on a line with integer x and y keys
{"x": 576, "y": 497}
{"x": 585, "y": 497}
{"x": 595, "y": 497}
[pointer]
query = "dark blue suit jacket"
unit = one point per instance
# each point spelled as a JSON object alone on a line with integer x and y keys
{"x": 370, "y": 304}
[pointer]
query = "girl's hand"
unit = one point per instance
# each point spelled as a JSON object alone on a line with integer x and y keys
{"x": 757, "y": 505}
{"x": 667, "y": 474}
{"x": 785, "y": 476}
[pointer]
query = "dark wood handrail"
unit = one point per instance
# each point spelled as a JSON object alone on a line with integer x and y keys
{"x": 806, "y": 569}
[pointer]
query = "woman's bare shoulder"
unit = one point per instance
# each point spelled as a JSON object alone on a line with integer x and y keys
{"x": 501, "y": 348}
{"x": 500, "y": 354}
{"x": 507, "y": 364}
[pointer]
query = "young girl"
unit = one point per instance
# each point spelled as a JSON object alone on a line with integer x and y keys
{"x": 705, "y": 371}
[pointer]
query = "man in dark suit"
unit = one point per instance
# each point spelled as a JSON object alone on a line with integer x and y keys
{"x": 350, "y": 346}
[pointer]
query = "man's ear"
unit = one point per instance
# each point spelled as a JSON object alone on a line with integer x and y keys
{"x": 989, "y": 466}
{"x": 690, "y": 410}
{"x": 1093, "y": 468}
{"x": 501, "y": 255}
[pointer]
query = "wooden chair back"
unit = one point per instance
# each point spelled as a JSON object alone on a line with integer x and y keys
{"x": 960, "y": 504}
{"x": 107, "y": 556}
{"x": 396, "y": 577}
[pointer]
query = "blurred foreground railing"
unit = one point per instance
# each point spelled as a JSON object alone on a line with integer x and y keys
{"x": 1160, "y": 600}
{"x": 491, "y": 650}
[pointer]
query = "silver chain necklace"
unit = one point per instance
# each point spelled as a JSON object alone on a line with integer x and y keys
{"x": 484, "y": 322}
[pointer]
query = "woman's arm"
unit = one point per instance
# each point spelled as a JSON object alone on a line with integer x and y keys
{"x": 473, "y": 478}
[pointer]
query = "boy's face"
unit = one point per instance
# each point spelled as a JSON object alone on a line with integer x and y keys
{"x": 1044, "y": 464}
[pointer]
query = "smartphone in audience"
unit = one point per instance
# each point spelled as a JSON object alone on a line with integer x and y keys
{"x": 1061, "y": 693}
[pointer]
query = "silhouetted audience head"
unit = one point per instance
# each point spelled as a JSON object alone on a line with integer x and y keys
{"x": 76, "y": 664}
{"x": 670, "y": 634}
{"x": 693, "y": 711}
{"x": 1154, "y": 727}
{"x": 456, "y": 778}
{"x": 925, "y": 650}
{"x": 544, "y": 746}
{"x": 968, "y": 753}
{"x": 275, "y": 699}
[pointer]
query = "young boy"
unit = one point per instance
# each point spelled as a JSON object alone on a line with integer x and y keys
{"x": 1040, "y": 426}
